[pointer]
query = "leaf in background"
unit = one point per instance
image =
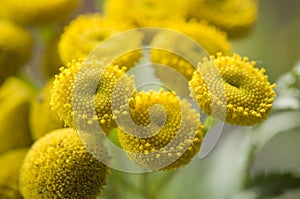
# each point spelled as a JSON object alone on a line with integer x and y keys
{"x": 281, "y": 154}
{"x": 273, "y": 184}
{"x": 288, "y": 90}
{"x": 275, "y": 124}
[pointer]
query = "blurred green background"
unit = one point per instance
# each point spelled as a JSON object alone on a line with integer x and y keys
{"x": 274, "y": 41}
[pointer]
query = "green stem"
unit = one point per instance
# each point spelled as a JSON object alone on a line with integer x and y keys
{"x": 126, "y": 183}
{"x": 163, "y": 183}
{"x": 251, "y": 157}
{"x": 209, "y": 122}
{"x": 145, "y": 186}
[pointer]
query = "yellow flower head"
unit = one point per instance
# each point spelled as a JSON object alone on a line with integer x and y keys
{"x": 140, "y": 13}
{"x": 64, "y": 87}
{"x": 15, "y": 97}
{"x": 233, "y": 16}
{"x": 10, "y": 163}
{"x": 37, "y": 11}
{"x": 249, "y": 95}
{"x": 86, "y": 32}
{"x": 166, "y": 139}
{"x": 209, "y": 37}
{"x": 58, "y": 165}
{"x": 181, "y": 58}
{"x": 212, "y": 39}
{"x": 41, "y": 118}
{"x": 15, "y": 48}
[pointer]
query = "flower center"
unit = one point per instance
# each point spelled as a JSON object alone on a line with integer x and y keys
{"x": 233, "y": 83}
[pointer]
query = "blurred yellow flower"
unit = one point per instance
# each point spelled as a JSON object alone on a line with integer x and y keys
{"x": 37, "y": 11}
{"x": 41, "y": 118}
{"x": 156, "y": 143}
{"x": 58, "y": 165}
{"x": 10, "y": 164}
{"x": 86, "y": 32}
{"x": 210, "y": 38}
{"x": 15, "y": 48}
{"x": 141, "y": 13}
{"x": 15, "y": 97}
{"x": 233, "y": 16}
{"x": 248, "y": 94}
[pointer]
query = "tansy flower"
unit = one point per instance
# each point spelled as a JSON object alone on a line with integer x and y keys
{"x": 37, "y": 11}
{"x": 212, "y": 39}
{"x": 209, "y": 37}
{"x": 233, "y": 16}
{"x": 58, "y": 165}
{"x": 141, "y": 13}
{"x": 184, "y": 58}
{"x": 41, "y": 118}
{"x": 73, "y": 100}
{"x": 247, "y": 96}
{"x": 10, "y": 163}
{"x": 15, "y": 97}
{"x": 159, "y": 137}
{"x": 15, "y": 48}
{"x": 86, "y": 32}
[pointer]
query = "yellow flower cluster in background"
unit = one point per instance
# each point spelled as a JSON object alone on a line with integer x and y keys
{"x": 142, "y": 13}
{"x": 37, "y": 12}
{"x": 232, "y": 16}
{"x": 42, "y": 119}
{"x": 15, "y": 97}
{"x": 212, "y": 40}
{"x": 15, "y": 48}
{"x": 9, "y": 173}
{"x": 83, "y": 34}
{"x": 86, "y": 32}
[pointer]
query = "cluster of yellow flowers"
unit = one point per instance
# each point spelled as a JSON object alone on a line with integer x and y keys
{"x": 157, "y": 129}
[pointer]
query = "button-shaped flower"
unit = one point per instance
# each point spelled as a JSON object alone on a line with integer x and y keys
{"x": 86, "y": 32}
{"x": 82, "y": 94}
{"x": 244, "y": 92}
{"x": 58, "y": 165}
{"x": 166, "y": 133}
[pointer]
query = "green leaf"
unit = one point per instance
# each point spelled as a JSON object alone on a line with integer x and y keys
{"x": 288, "y": 90}
{"x": 113, "y": 137}
{"x": 280, "y": 122}
{"x": 273, "y": 184}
